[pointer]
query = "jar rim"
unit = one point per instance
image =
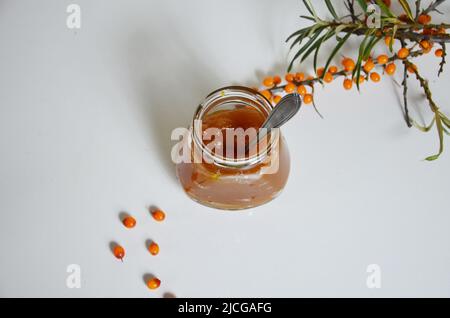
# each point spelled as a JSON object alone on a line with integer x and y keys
{"x": 219, "y": 97}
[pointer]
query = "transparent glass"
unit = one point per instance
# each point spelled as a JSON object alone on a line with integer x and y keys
{"x": 236, "y": 182}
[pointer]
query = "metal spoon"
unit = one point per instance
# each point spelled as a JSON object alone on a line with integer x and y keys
{"x": 288, "y": 106}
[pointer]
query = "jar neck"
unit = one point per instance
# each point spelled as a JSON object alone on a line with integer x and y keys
{"x": 228, "y": 96}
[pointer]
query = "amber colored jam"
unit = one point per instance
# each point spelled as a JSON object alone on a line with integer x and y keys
{"x": 229, "y": 187}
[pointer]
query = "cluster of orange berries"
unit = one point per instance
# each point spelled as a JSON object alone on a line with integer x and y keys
{"x": 119, "y": 252}
{"x": 299, "y": 81}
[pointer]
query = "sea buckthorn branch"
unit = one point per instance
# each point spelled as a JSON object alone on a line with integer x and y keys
{"x": 410, "y": 30}
{"x": 442, "y": 52}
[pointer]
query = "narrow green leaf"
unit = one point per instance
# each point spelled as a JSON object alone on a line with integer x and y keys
{"x": 331, "y": 9}
{"x": 391, "y": 43}
{"x": 296, "y": 33}
{"x": 336, "y": 50}
{"x": 362, "y": 47}
{"x": 441, "y": 139}
{"x": 385, "y": 9}
{"x": 363, "y": 5}
{"x": 423, "y": 128}
{"x": 310, "y": 8}
{"x": 407, "y": 9}
{"x": 304, "y": 48}
{"x": 327, "y": 36}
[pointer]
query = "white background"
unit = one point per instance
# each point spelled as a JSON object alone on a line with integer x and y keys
{"x": 85, "y": 122}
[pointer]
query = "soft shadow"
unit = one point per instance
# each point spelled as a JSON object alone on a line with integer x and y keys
{"x": 166, "y": 104}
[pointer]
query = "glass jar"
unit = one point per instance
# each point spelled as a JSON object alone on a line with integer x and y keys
{"x": 244, "y": 179}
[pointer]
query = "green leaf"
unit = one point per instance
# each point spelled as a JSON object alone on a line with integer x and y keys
{"x": 299, "y": 32}
{"x": 336, "y": 50}
{"x": 363, "y": 5}
{"x": 391, "y": 43}
{"x": 305, "y": 47}
{"x": 407, "y": 9}
{"x": 323, "y": 39}
{"x": 331, "y": 9}
{"x": 441, "y": 139}
{"x": 368, "y": 49}
{"x": 362, "y": 48}
{"x": 385, "y": 9}
{"x": 423, "y": 128}
{"x": 310, "y": 8}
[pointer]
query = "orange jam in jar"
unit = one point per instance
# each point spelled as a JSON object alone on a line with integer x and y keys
{"x": 222, "y": 170}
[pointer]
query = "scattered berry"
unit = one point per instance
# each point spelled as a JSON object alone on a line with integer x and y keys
{"x": 153, "y": 283}
{"x": 439, "y": 52}
{"x": 276, "y": 99}
{"x": 153, "y": 248}
{"x": 158, "y": 215}
{"x": 129, "y": 222}
{"x": 119, "y": 252}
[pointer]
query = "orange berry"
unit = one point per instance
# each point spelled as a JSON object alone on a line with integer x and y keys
{"x": 348, "y": 84}
{"x": 153, "y": 248}
{"x": 276, "y": 99}
{"x": 390, "y": 68}
{"x": 320, "y": 71}
{"x": 382, "y": 59}
{"x": 289, "y": 77}
{"x": 388, "y": 40}
{"x": 119, "y": 252}
{"x": 439, "y": 52}
{"x": 301, "y": 90}
{"x": 375, "y": 77}
{"x": 276, "y": 80}
{"x": 328, "y": 77}
{"x": 403, "y": 53}
{"x": 289, "y": 88}
{"x": 349, "y": 64}
{"x": 299, "y": 77}
{"x": 369, "y": 65}
{"x": 129, "y": 222}
{"x": 425, "y": 44}
{"x": 158, "y": 215}
{"x": 424, "y": 19}
{"x": 307, "y": 99}
{"x": 442, "y": 30}
{"x": 267, "y": 94}
{"x": 268, "y": 81}
{"x": 412, "y": 68}
{"x": 153, "y": 283}
{"x": 333, "y": 69}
